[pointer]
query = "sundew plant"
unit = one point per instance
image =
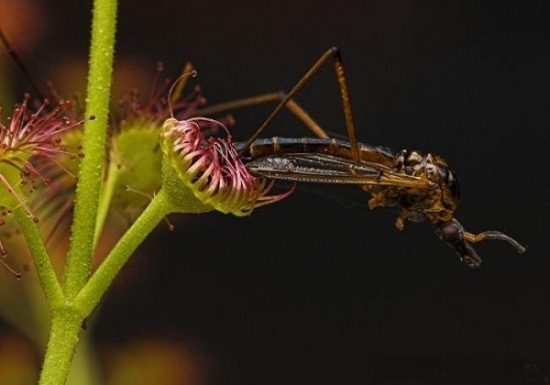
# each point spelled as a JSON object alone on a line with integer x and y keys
{"x": 79, "y": 166}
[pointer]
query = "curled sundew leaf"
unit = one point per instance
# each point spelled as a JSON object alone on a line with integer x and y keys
{"x": 212, "y": 169}
{"x": 135, "y": 158}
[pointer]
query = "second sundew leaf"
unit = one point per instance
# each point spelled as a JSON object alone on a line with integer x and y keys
{"x": 53, "y": 203}
{"x": 135, "y": 166}
{"x": 31, "y": 134}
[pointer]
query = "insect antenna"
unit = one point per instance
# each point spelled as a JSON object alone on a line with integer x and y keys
{"x": 496, "y": 236}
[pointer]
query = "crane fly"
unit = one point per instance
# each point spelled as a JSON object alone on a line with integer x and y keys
{"x": 419, "y": 186}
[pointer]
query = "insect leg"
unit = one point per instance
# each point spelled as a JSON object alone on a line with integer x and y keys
{"x": 286, "y": 100}
{"x": 272, "y": 97}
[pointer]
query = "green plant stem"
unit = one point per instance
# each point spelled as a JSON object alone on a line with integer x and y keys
{"x": 66, "y": 318}
{"x": 98, "y": 284}
{"x": 43, "y": 265}
{"x": 173, "y": 197}
{"x": 93, "y": 144}
{"x": 64, "y": 333}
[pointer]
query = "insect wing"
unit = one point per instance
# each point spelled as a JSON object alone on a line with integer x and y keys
{"x": 325, "y": 168}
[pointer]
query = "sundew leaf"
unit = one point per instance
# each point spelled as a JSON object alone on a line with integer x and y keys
{"x": 136, "y": 163}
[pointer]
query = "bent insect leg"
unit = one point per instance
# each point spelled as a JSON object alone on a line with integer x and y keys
{"x": 286, "y": 101}
{"x": 272, "y": 97}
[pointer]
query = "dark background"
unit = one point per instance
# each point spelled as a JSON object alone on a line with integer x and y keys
{"x": 319, "y": 290}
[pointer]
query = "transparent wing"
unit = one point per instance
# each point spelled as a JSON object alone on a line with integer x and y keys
{"x": 325, "y": 168}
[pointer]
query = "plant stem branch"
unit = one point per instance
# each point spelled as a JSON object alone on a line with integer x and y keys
{"x": 46, "y": 273}
{"x": 91, "y": 293}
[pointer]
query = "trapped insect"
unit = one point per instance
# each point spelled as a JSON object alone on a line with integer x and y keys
{"x": 419, "y": 186}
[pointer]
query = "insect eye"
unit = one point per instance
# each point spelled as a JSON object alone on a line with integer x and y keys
{"x": 451, "y": 181}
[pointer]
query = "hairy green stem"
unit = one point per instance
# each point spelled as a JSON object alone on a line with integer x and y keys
{"x": 173, "y": 197}
{"x": 93, "y": 144}
{"x": 90, "y": 295}
{"x": 42, "y": 263}
{"x": 67, "y": 320}
{"x": 64, "y": 333}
